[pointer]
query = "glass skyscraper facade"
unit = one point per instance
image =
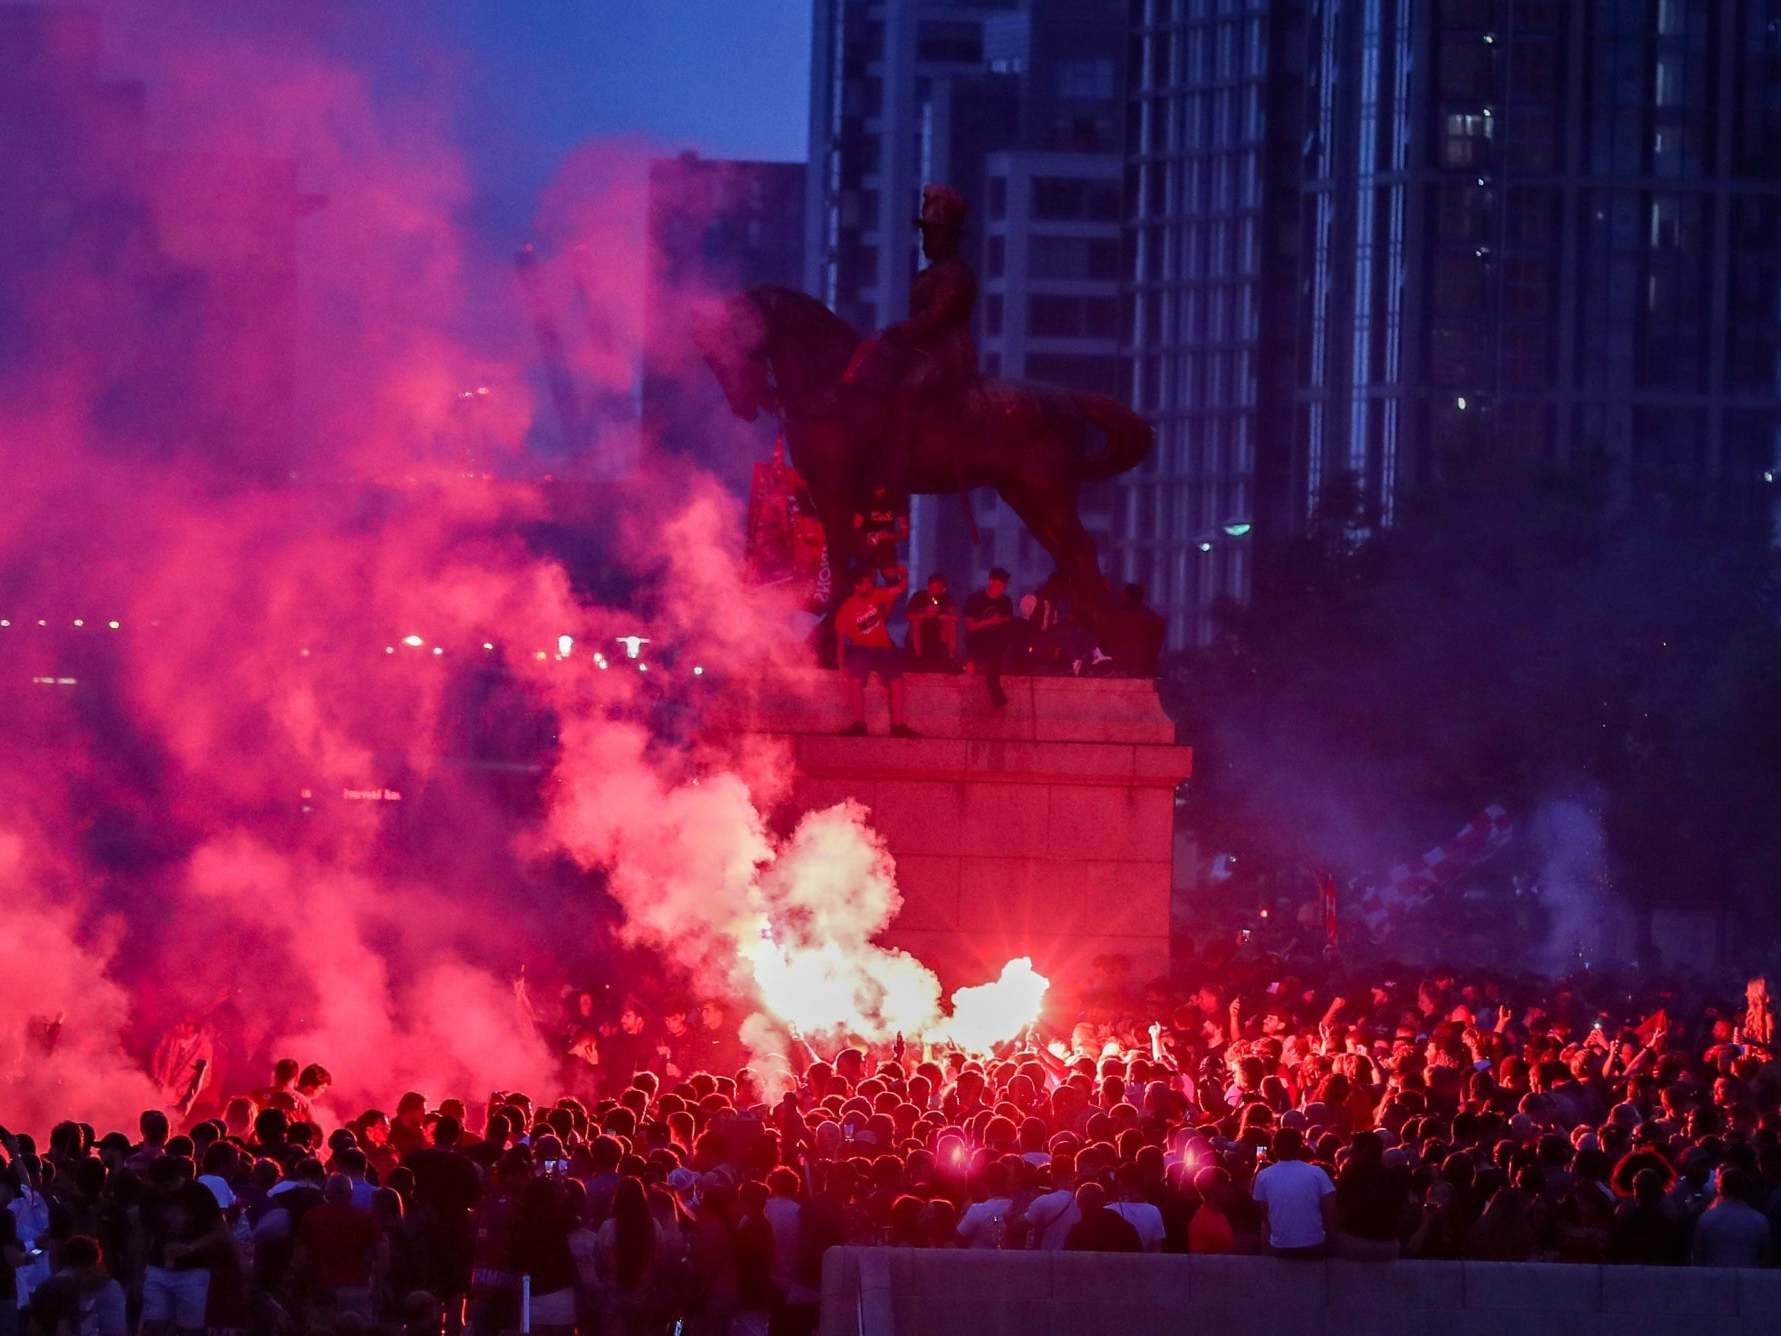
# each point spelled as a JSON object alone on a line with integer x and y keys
{"x": 1366, "y": 237}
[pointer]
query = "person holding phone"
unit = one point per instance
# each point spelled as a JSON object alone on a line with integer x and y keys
{"x": 1298, "y": 1200}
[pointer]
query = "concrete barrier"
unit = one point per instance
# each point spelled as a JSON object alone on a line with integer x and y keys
{"x": 918, "y": 1292}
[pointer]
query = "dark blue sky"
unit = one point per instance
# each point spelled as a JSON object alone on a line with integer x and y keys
{"x": 729, "y": 78}
{"x": 529, "y": 79}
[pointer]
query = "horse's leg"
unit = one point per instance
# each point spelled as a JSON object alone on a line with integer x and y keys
{"x": 1053, "y": 514}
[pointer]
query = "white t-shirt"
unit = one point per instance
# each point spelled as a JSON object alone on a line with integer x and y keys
{"x": 1293, "y": 1191}
{"x": 985, "y": 1222}
{"x": 1144, "y": 1218}
{"x": 219, "y": 1188}
{"x": 1054, "y": 1215}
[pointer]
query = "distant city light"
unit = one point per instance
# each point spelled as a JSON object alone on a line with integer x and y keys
{"x": 389, "y": 649}
{"x": 43, "y": 621}
{"x": 5, "y": 621}
{"x": 643, "y": 667}
{"x": 415, "y": 641}
{"x": 698, "y": 670}
{"x": 1238, "y": 528}
{"x": 1205, "y": 545}
{"x": 488, "y": 644}
{"x": 80, "y": 621}
{"x": 303, "y": 653}
{"x": 564, "y": 645}
{"x": 438, "y": 649}
{"x": 114, "y": 624}
{"x": 540, "y": 655}
{"x": 1460, "y": 403}
{"x": 632, "y": 644}
{"x": 1768, "y": 475}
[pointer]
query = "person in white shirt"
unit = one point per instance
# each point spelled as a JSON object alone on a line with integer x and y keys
{"x": 1137, "y": 1212}
{"x": 1052, "y": 1215}
{"x": 785, "y": 1217}
{"x": 1298, "y": 1200}
{"x": 985, "y": 1222}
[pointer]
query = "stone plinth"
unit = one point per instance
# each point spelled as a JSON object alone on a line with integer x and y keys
{"x": 1040, "y": 829}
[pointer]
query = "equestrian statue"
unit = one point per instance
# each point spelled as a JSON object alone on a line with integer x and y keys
{"x": 909, "y": 412}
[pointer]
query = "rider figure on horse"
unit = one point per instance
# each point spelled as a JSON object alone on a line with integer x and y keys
{"x": 931, "y": 356}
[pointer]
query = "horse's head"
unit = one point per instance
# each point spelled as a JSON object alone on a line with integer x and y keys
{"x": 732, "y": 338}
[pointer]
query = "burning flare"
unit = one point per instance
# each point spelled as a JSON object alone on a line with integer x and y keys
{"x": 984, "y": 1016}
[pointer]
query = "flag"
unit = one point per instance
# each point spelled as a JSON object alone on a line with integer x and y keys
{"x": 1326, "y": 899}
{"x": 1416, "y": 882}
{"x": 785, "y": 537}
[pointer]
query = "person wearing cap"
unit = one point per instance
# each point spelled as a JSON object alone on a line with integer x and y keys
{"x": 931, "y": 353}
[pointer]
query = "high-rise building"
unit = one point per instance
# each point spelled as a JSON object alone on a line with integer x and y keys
{"x": 1547, "y": 228}
{"x": 1211, "y": 200}
{"x": 1371, "y": 236}
{"x": 1017, "y": 103}
{"x": 716, "y": 227}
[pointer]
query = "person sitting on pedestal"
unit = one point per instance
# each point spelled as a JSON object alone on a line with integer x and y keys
{"x": 993, "y": 635}
{"x": 863, "y": 646}
{"x": 933, "y": 628}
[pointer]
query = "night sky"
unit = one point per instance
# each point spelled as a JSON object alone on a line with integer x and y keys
{"x": 526, "y": 81}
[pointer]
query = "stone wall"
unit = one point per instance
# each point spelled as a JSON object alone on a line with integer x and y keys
{"x": 909, "y": 1292}
{"x": 1042, "y": 829}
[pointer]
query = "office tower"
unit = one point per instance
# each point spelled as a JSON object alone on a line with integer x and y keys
{"x": 1370, "y": 238}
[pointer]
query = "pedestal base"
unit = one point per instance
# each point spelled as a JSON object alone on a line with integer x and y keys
{"x": 1043, "y": 828}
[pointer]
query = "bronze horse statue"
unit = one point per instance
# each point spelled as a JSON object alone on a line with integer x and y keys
{"x": 777, "y": 349}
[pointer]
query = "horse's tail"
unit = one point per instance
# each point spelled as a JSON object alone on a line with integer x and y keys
{"x": 1129, "y": 437}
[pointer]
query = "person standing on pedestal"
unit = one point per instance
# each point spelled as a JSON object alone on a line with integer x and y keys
{"x": 863, "y": 647}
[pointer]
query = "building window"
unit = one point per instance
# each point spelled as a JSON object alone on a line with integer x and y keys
{"x": 1099, "y": 375}
{"x": 1057, "y": 317}
{"x": 998, "y": 198}
{"x": 1085, "y": 80}
{"x": 992, "y": 315}
{"x": 1667, "y": 231}
{"x": 1455, "y": 353}
{"x": 1467, "y": 139}
{"x": 1073, "y": 257}
{"x": 1464, "y": 213}
{"x": 997, "y": 256}
{"x": 1467, "y": 67}
{"x": 1459, "y": 282}
{"x": 949, "y": 41}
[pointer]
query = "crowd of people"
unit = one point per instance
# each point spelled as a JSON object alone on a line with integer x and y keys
{"x": 1355, "y": 1115}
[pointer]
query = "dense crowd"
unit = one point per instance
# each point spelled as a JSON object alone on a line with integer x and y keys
{"x": 1368, "y": 1118}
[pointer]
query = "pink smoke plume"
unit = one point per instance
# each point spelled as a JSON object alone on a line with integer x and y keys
{"x": 265, "y": 634}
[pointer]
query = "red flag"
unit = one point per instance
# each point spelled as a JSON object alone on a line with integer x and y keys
{"x": 1332, "y": 923}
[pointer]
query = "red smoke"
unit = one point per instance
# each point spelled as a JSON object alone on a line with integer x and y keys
{"x": 246, "y": 317}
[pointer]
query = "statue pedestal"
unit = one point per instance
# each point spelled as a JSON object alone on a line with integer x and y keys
{"x": 1042, "y": 829}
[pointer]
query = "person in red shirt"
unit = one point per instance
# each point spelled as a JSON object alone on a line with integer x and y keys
{"x": 340, "y": 1251}
{"x": 864, "y": 646}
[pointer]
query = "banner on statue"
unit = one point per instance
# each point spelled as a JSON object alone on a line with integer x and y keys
{"x": 785, "y": 538}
